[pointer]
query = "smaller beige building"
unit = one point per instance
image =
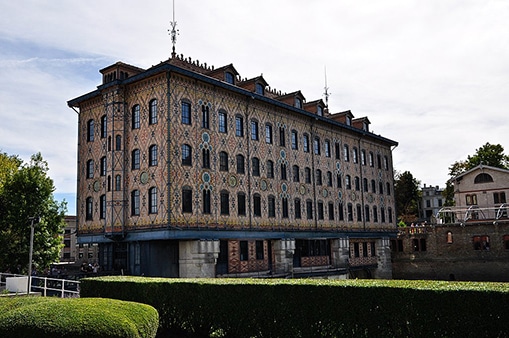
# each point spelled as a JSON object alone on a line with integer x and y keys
{"x": 72, "y": 252}
{"x": 469, "y": 241}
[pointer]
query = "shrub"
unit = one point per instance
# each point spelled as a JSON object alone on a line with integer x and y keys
{"x": 79, "y": 317}
{"x": 316, "y": 308}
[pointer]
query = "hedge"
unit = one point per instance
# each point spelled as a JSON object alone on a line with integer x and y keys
{"x": 45, "y": 317}
{"x": 315, "y": 308}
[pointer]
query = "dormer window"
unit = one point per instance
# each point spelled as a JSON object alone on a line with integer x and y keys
{"x": 365, "y": 126}
{"x": 319, "y": 110}
{"x": 348, "y": 121}
{"x": 298, "y": 103}
{"x": 228, "y": 77}
{"x": 259, "y": 89}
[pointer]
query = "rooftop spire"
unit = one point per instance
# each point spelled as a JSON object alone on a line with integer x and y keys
{"x": 173, "y": 32}
{"x": 326, "y": 93}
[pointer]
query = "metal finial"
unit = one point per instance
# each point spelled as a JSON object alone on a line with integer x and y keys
{"x": 173, "y": 32}
{"x": 326, "y": 93}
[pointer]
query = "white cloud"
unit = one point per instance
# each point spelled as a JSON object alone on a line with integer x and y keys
{"x": 431, "y": 75}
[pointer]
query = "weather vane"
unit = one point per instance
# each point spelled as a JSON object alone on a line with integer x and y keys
{"x": 174, "y": 31}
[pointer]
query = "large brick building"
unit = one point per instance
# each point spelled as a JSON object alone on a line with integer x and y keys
{"x": 193, "y": 171}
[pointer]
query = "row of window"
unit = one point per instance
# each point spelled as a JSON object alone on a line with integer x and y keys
{"x": 480, "y": 243}
{"x": 135, "y": 120}
{"x": 295, "y": 171}
{"x": 135, "y": 161}
{"x": 294, "y": 139}
{"x": 135, "y": 204}
{"x": 187, "y": 207}
{"x": 498, "y": 198}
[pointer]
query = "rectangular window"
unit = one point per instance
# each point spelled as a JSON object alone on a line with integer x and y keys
{"x": 243, "y": 251}
{"x": 241, "y": 205}
{"x": 481, "y": 243}
{"x": 187, "y": 200}
{"x": 259, "y": 250}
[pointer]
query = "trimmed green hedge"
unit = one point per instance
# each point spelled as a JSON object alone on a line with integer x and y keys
{"x": 315, "y": 308}
{"x": 43, "y": 317}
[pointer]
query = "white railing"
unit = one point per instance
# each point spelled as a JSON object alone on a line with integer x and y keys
{"x": 63, "y": 288}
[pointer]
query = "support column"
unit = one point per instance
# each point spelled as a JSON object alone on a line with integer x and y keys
{"x": 283, "y": 251}
{"x": 340, "y": 249}
{"x": 383, "y": 252}
{"x": 197, "y": 259}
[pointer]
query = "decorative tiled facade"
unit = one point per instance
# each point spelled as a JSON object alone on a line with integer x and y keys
{"x": 184, "y": 151}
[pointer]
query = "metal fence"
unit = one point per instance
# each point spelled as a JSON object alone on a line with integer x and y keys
{"x": 48, "y": 287}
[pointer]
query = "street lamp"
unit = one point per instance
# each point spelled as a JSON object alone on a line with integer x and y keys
{"x": 33, "y": 221}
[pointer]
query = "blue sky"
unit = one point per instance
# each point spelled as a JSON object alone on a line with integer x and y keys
{"x": 432, "y": 75}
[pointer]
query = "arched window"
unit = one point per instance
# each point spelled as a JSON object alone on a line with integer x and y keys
{"x": 297, "y": 208}
{"x": 102, "y": 207}
{"x": 270, "y": 169}
{"x": 152, "y": 112}
{"x": 186, "y": 112}
{"x": 223, "y": 126}
{"x": 152, "y": 155}
{"x": 152, "y": 200}
{"x": 187, "y": 200}
{"x": 483, "y": 178}
{"x": 205, "y": 117}
{"x": 257, "y": 205}
{"x": 206, "y": 201}
{"x": 135, "y": 203}
{"x": 225, "y": 202}
{"x": 90, "y": 130}
{"x": 187, "y": 153}
{"x": 295, "y": 173}
{"x": 256, "y": 166}
{"x": 104, "y": 126}
{"x": 103, "y": 166}
{"x": 449, "y": 237}
{"x": 135, "y": 159}
{"x": 271, "y": 205}
{"x": 205, "y": 154}
{"x": 240, "y": 164}
{"x": 118, "y": 142}
{"x": 118, "y": 183}
{"x": 135, "y": 117}
{"x": 305, "y": 143}
{"x": 223, "y": 161}
{"x": 90, "y": 169}
{"x": 241, "y": 204}
{"x": 89, "y": 204}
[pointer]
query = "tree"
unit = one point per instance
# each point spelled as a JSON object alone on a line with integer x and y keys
{"x": 27, "y": 191}
{"x": 489, "y": 154}
{"x": 406, "y": 194}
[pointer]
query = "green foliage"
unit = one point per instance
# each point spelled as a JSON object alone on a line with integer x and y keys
{"x": 315, "y": 307}
{"x": 27, "y": 191}
{"x": 489, "y": 154}
{"x": 406, "y": 196}
{"x": 78, "y": 318}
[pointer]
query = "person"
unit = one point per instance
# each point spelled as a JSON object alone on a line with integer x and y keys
{"x": 95, "y": 268}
